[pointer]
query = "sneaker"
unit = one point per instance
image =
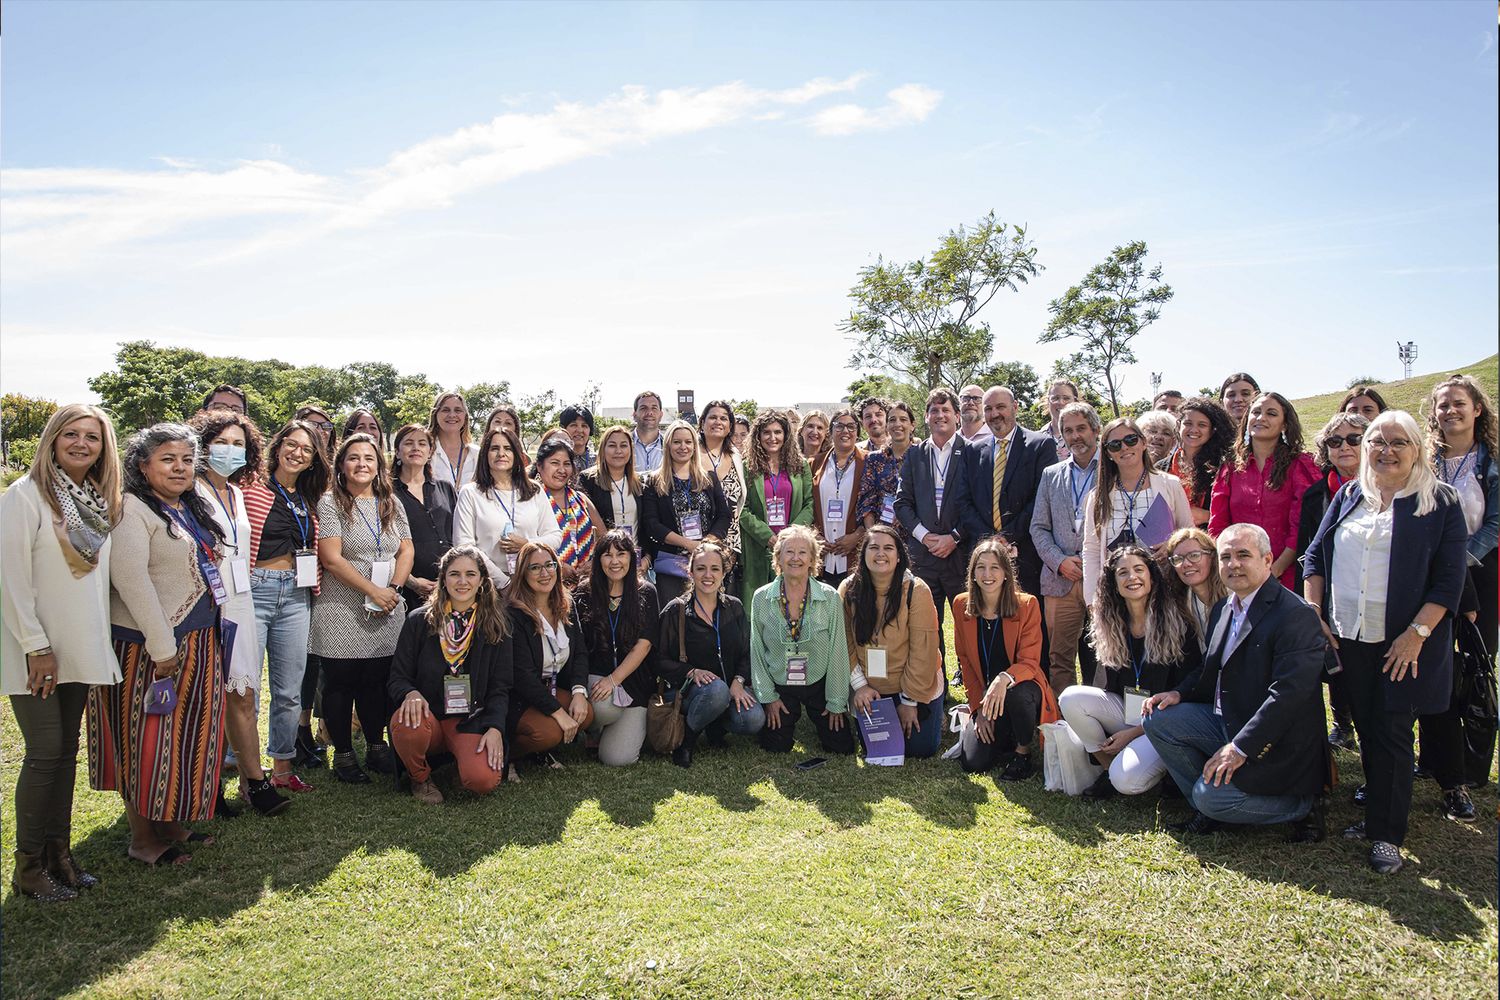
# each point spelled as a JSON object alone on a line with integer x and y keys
{"x": 1355, "y": 831}
{"x": 1343, "y": 738}
{"x": 1385, "y": 858}
{"x": 1019, "y": 768}
{"x": 426, "y": 791}
{"x": 1359, "y": 796}
{"x": 1457, "y": 805}
{"x": 1196, "y": 824}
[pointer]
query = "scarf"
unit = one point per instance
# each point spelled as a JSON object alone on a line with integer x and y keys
{"x": 456, "y": 636}
{"x": 85, "y": 524}
{"x": 578, "y": 530}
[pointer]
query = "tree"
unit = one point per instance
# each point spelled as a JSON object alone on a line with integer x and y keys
{"x": 152, "y": 384}
{"x": 747, "y": 408}
{"x": 482, "y": 397}
{"x": 1017, "y": 376}
{"x": 538, "y": 415}
{"x": 917, "y": 320}
{"x": 1116, "y": 300}
{"x": 1362, "y": 380}
{"x": 22, "y": 419}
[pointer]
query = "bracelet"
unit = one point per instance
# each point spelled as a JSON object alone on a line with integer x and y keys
{"x": 44, "y": 651}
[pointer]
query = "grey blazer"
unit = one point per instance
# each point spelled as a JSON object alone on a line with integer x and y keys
{"x": 1052, "y": 528}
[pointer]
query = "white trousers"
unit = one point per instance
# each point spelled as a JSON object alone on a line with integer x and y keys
{"x": 1094, "y": 715}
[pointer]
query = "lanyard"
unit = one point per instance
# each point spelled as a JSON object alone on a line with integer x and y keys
{"x": 941, "y": 471}
{"x": 1137, "y": 662}
{"x": 794, "y": 629}
{"x": 648, "y": 449}
{"x": 510, "y": 513}
{"x": 302, "y": 516}
{"x": 229, "y": 515}
{"x": 718, "y": 636}
{"x": 373, "y": 533}
{"x": 187, "y": 522}
{"x": 985, "y": 648}
{"x": 624, "y": 493}
{"x": 1088, "y": 481}
{"x": 839, "y": 474}
{"x": 773, "y": 483}
{"x": 459, "y": 471}
{"x": 1140, "y": 484}
{"x": 614, "y": 628}
{"x": 683, "y": 486}
{"x": 547, "y": 638}
{"x": 1458, "y": 474}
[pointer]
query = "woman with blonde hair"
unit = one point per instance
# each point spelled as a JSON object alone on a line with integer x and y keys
{"x": 55, "y": 525}
{"x": 682, "y": 507}
{"x": 813, "y": 438}
{"x": 613, "y": 486}
{"x": 455, "y": 455}
{"x": 1194, "y": 578}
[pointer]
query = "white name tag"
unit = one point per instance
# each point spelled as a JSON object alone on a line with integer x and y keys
{"x": 307, "y": 569}
{"x": 380, "y": 576}
{"x": 239, "y": 576}
{"x": 796, "y": 669}
{"x": 776, "y": 512}
{"x": 875, "y": 663}
{"x": 692, "y": 527}
{"x": 888, "y": 508}
{"x": 1135, "y": 701}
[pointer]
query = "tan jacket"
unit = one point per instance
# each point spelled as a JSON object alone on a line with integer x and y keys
{"x": 913, "y": 665}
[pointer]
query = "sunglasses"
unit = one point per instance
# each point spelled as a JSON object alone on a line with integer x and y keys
{"x": 1352, "y": 440}
{"x": 1128, "y": 441}
{"x": 1188, "y": 557}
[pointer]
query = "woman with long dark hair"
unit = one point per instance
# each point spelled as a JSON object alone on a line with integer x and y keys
{"x": 573, "y": 513}
{"x": 503, "y": 508}
{"x": 779, "y": 495}
{"x": 550, "y": 696}
{"x": 1205, "y": 440}
{"x": 716, "y": 438}
{"x": 621, "y": 616}
{"x": 428, "y": 503}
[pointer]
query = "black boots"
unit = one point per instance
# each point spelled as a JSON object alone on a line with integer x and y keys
{"x": 347, "y": 769}
{"x": 683, "y": 755}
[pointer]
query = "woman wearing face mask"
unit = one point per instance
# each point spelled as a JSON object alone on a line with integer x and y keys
{"x": 683, "y": 506}
{"x": 812, "y": 437}
{"x": 572, "y": 511}
{"x": 621, "y": 628}
{"x": 705, "y": 657}
{"x": 503, "y": 509}
{"x": 366, "y": 553}
{"x": 882, "y": 476}
{"x": 1194, "y": 579}
{"x": 1236, "y": 394}
{"x": 456, "y": 456}
{"x": 1116, "y": 509}
{"x": 715, "y": 424}
{"x": 779, "y": 494}
{"x": 428, "y": 504}
{"x": 55, "y": 526}
{"x": 1266, "y": 480}
{"x": 612, "y": 486}
{"x": 550, "y": 696}
{"x": 1206, "y": 440}
{"x": 232, "y": 443}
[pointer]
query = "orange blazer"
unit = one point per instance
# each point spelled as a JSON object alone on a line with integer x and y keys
{"x": 1023, "y": 647}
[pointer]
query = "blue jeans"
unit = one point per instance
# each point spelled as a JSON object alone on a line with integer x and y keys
{"x": 704, "y": 704}
{"x": 1189, "y": 733}
{"x": 283, "y": 615}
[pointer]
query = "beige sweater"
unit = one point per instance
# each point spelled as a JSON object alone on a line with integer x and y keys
{"x": 154, "y": 578}
{"x": 913, "y": 663}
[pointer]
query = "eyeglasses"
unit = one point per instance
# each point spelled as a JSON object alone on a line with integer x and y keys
{"x": 1380, "y": 444}
{"x": 291, "y": 448}
{"x": 1128, "y": 441}
{"x": 971, "y": 399}
{"x": 843, "y": 427}
{"x": 323, "y": 425}
{"x": 1352, "y": 440}
{"x": 1196, "y": 556}
{"x": 550, "y": 566}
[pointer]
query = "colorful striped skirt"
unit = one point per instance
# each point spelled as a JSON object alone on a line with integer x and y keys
{"x": 165, "y": 766}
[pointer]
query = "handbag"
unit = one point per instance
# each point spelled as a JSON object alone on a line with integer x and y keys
{"x": 665, "y": 726}
{"x": 672, "y": 564}
{"x": 1474, "y": 674}
{"x": 1073, "y": 771}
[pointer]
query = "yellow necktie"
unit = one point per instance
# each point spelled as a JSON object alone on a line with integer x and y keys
{"x": 1000, "y": 457}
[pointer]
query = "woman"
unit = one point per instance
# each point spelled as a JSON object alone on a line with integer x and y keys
{"x": 682, "y": 507}
{"x": 284, "y": 575}
{"x": 363, "y": 421}
{"x": 550, "y": 698}
{"x": 779, "y": 494}
{"x": 798, "y": 650}
{"x": 612, "y": 486}
{"x": 620, "y": 616}
{"x": 1206, "y": 440}
{"x": 1386, "y": 571}
{"x": 892, "y": 626}
{"x": 317, "y": 418}
{"x": 741, "y": 433}
{"x": 503, "y": 509}
{"x": 451, "y": 677}
{"x": 1265, "y": 482}
{"x": 1116, "y": 511}
{"x": 503, "y": 417}
{"x": 997, "y": 629}
{"x": 572, "y": 513}
{"x": 55, "y": 525}
{"x": 428, "y": 504}
{"x": 1365, "y": 401}
{"x": 578, "y": 423}
{"x": 457, "y": 457}
{"x": 705, "y": 657}
{"x": 165, "y": 621}
{"x": 882, "y": 476}
{"x": 1235, "y": 395}
{"x": 231, "y": 442}
{"x": 835, "y": 497}
{"x": 812, "y": 437}
{"x": 366, "y": 553}
{"x": 1146, "y": 646}
{"x": 1160, "y": 428}
{"x": 715, "y": 427}
{"x": 1194, "y": 579}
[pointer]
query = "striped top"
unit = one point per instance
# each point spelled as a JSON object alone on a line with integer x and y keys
{"x": 577, "y": 528}
{"x": 259, "y": 499}
{"x": 822, "y": 641}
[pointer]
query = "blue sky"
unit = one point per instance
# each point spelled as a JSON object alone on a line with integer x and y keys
{"x": 681, "y": 195}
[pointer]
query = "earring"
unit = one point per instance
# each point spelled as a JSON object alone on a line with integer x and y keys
{"x": 1283, "y": 437}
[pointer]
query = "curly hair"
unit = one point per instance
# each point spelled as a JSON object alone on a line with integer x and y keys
{"x": 138, "y": 450}
{"x": 489, "y": 611}
{"x": 1166, "y": 624}
{"x": 792, "y": 532}
{"x": 1485, "y": 428}
{"x": 1216, "y": 450}
{"x": 791, "y": 459}
{"x": 1288, "y": 446}
{"x": 209, "y": 424}
{"x": 312, "y": 482}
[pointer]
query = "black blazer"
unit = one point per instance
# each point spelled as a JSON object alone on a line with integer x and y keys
{"x": 598, "y": 493}
{"x": 531, "y": 691}
{"x": 1314, "y": 505}
{"x": 1272, "y": 692}
{"x": 1428, "y": 565}
{"x": 916, "y": 502}
{"x": 418, "y": 665}
{"x": 734, "y": 633}
{"x": 659, "y": 517}
{"x": 1029, "y": 455}
{"x": 605, "y": 655}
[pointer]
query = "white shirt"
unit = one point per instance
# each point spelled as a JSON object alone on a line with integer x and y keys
{"x": 626, "y": 512}
{"x": 554, "y": 649}
{"x": 462, "y": 476}
{"x": 1238, "y": 610}
{"x": 234, "y": 521}
{"x": 1361, "y": 572}
{"x": 1470, "y": 490}
{"x": 836, "y": 486}
{"x": 482, "y": 519}
{"x": 941, "y": 459}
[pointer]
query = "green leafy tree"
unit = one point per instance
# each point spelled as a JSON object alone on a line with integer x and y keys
{"x": 1116, "y": 300}
{"x": 1017, "y": 376}
{"x": 482, "y": 397}
{"x": 22, "y": 418}
{"x": 745, "y": 407}
{"x": 151, "y": 384}
{"x": 538, "y": 415}
{"x": 917, "y": 320}
{"x": 413, "y": 401}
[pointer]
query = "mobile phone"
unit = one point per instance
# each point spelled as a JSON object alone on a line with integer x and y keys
{"x": 812, "y": 762}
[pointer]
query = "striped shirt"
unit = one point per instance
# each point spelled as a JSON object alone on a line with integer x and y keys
{"x": 822, "y": 641}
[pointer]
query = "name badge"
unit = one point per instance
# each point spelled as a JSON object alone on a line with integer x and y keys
{"x": 456, "y": 695}
{"x": 239, "y": 575}
{"x": 888, "y": 508}
{"x": 629, "y": 529}
{"x": 214, "y": 580}
{"x": 380, "y": 576}
{"x": 1135, "y": 700}
{"x": 796, "y": 669}
{"x": 875, "y": 663}
{"x": 510, "y": 563}
{"x": 307, "y": 568}
{"x": 692, "y": 527}
{"x": 1077, "y": 525}
{"x": 835, "y": 511}
{"x": 776, "y": 512}
{"x": 161, "y": 696}
{"x": 937, "y": 497}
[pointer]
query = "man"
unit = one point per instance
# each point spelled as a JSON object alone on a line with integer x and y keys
{"x": 647, "y": 433}
{"x": 226, "y": 397}
{"x": 1243, "y": 735}
{"x": 578, "y": 421}
{"x": 971, "y": 414}
{"x": 872, "y": 415}
{"x": 1169, "y": 400}
{"x": 930, "y": 502}
{"x": 1011, "y": 462}
{"x": 1057, "y": 533}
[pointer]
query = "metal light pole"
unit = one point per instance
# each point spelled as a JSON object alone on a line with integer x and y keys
{"x": 1407, "y": 352}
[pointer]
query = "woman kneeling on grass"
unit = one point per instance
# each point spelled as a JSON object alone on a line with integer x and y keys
{"x": 451, "y": 678}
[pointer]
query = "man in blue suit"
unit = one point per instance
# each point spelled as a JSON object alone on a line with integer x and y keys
{"x": 1020, "y": 456}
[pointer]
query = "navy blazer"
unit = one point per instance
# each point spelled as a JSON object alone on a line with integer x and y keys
{"x": 1031, "y": 452}
{"x": 916, "y": 502}
{"x": 1428, "y": 566}
{"x": 1271, "y": 693}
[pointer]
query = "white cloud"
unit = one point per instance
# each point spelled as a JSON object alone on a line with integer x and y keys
{"x": 906, "y": 105}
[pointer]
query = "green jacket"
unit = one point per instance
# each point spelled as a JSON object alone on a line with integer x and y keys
{"x": 755, "y": 533}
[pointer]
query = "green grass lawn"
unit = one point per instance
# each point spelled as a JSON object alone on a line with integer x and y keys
{"x": 1406, "y": 394}
{"x": 745, "y": 878}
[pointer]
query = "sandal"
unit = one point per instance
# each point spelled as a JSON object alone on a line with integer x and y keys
{"x": 194, "y": 837}
{"x": 171, "y": 857}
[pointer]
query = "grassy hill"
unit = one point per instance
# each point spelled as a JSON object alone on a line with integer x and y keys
{"x": 1406, "y": 394}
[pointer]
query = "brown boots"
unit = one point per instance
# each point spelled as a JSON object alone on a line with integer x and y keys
{"x": 62, "y": 867}
{"x": 50, "y": 875}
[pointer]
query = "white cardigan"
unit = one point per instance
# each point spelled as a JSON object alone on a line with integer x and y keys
{"x": 1162, "y": 483}
{"x": 480, "y": 521}
{"x": 44, "y": 604}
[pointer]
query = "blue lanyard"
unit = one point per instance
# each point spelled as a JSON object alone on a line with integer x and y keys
{"x": 1458, "y": 475}
{"x": 509, "y": 511}
{"x": 775, "y": 482}
{"x": 683, "y": 486}
{"x": 985, "y": 648}
{"x": 229, "y": 512}
{"x": 941, "y": 470}
{"x": 187, "y": 522}
{"x": 302, "y": 516}
{"x": 1137, "y": 662}
{"x": 614, "y": 625}
{"x": 1088, "y": 481}
{"x": 718, "y": 637}
{"x": 373, "y": 533}
{"x": 1140, "y": 484}
{"x": 839, "y": 474}
{"x": 647, "y": 449}
{"x": 458, "y": 473}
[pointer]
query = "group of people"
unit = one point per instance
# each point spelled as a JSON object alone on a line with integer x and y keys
{"x": 1176, "y": 587}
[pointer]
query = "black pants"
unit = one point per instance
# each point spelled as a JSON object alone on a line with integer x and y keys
{"x": 1015, "y": 728}
{"x": 312, "y": 695}
{"x": 1385, "y": 741}
{"x": 812, "y": 699}
{"x": 670, "y": 587}
{"x": 44, "y": 788}
{"x": 352, "y": 683}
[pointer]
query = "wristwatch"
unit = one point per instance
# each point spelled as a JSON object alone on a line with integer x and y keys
{"x": 1420, "y": 629}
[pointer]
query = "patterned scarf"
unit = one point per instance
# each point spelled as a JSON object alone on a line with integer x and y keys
{"x": 456, "y": 636}
{"x": 85, "y": 516}
{"x": 577, "y": 528}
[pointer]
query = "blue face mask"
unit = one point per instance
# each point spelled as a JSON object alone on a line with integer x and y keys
{"x": 226, "y": 459}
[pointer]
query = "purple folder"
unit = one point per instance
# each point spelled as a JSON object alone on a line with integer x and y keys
{"x": 880, "y": 729}
{"x": 1156, "y": 527}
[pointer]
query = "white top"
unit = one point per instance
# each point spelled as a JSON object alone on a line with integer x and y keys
{"x": 1096, "y": 542}
{"x": 554, "y": 648}
{"x": 1361, "y": 572}
{"x": 482, "y": 519}
{"x": 234, "y": 522}
{"x": 626, "y": 512}
{"x": 458, "y": 478}
{"x": 43, "y": 603}
{"x": 835, "y": 486}
{"x": 1470, "y": 489}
